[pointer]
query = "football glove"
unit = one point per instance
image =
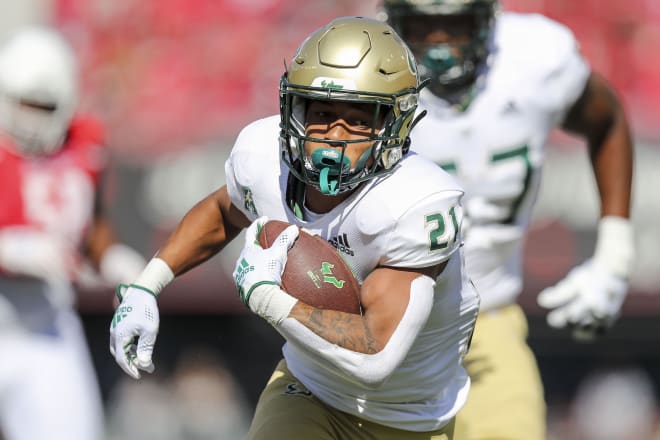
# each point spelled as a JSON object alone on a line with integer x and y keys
{"x": 589, "y": 299}
{"x": 134, "y": 328}
{"x": 258, "y": 273}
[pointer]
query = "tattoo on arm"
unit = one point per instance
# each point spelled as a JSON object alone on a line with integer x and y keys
{"x": 344, "y": 329}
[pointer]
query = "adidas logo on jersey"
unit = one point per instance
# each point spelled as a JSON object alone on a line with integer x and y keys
{"x": 341, "y": 243}
{"x": 510, "y": 108}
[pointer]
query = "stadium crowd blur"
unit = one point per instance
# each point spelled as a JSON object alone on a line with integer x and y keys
{"x": 174, "y": 80}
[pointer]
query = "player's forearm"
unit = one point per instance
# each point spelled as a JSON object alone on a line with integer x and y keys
{"x": 599, "y": 117}
{"x": 197, "y": 238}
{"x": 97, "y": 241}
{"x": 612, "y": 161}
{"x": 114, "y": 261}
{"x": 344, "y": 329}
{"x": 370, "y": 369}
{"x": 203, "y": 232}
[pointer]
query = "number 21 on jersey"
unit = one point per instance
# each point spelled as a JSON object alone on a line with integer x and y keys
{"x": 442, "y": 228}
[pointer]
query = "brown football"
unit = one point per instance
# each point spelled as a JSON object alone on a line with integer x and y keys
{"x": 315, "y": 272}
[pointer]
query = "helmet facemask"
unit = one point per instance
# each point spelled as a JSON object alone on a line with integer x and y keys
{"x": 329, "y": 169}
{"x": 36, "y": 128}
{"x": 454, "y": 65}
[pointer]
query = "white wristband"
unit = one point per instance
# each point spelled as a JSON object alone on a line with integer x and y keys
{"x": 615, "y": 245}
{"x": 155, "y": 276}
{"x": 271, "y": 303}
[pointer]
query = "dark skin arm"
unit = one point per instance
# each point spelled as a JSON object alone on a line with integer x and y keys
{"x": 203, "y": 232}
{"x": 599, "y": 118}
{"x": 384, "y": 296}
{"x": 98, "y": 239}
{"x": 100, "y": 236}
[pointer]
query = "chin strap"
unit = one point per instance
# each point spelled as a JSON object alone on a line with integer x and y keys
{"x": 328, "y": 187}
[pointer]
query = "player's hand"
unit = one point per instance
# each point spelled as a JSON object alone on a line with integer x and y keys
{"x": 134, "y": 329}
{"x": 37, "y": 254}
{"x": 258, "y": 273}
{"x": 588, "y": 300}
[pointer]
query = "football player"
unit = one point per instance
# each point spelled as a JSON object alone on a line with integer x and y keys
{"x": 51, "y": 222}
{"x": 335, "y": 161}
{"x": 500, "y": 82}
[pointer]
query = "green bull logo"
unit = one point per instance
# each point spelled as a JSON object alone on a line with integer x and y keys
{"x": 326, "y": 276}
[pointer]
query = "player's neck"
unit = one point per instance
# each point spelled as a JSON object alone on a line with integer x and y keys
{"x": 320, "y": 203}
{"x": 458, "y": 99}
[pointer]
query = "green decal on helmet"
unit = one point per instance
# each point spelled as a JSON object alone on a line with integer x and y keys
{"x": 331, "y": 85}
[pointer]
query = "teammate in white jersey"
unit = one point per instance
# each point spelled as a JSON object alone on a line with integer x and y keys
{"x": 500, "y": 82}
{"x": 336, "y": 162}
{"x": 51, "y": 220}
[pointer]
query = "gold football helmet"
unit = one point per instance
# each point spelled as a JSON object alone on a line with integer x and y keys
{"x": 351, "y": 59}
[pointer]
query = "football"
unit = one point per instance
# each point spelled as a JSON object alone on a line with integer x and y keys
{"x": 315, "y": 272}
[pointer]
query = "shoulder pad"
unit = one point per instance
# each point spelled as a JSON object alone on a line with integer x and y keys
{"x": 410, "y": 211}
{"x": 541, "y": 59}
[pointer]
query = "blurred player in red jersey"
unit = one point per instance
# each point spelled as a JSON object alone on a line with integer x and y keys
{"x": 51, "y": 222}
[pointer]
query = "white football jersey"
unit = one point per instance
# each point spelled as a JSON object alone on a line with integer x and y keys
{"x": 495, "y": 148}
{"x": 409, "y": 218}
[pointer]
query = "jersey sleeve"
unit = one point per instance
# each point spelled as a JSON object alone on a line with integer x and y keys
{"x": 243, "y": 169}
{"x": 565, "y": 71}
{"x": 86, "y": 146}
{"x": 234, "y": 189}
{"x": 87, "y": 129}
{"x": 426, "y": 234}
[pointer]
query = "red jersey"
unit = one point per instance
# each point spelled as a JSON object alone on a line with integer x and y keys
{"x": 54, "y": 193}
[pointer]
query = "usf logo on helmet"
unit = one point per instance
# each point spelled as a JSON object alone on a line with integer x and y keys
{"x": 352, "y": 59}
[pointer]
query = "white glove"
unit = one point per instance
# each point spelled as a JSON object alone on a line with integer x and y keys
{"x": 38, "y": 254}
{"x": 258, "y": 273}
{"x": 134, "y": 329}
{"x": 119, "y": 264}
{"x": 589, "y": 299}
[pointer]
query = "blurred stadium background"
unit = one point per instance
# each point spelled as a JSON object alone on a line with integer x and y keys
{"x": 174, "y": 80}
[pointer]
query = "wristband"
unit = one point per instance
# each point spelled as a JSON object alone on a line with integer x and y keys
{"x": 271, "y": 303}
{"x": 615, "y": 246}
{"x": 155, "y": 276}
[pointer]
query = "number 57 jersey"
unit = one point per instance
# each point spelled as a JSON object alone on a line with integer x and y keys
{"x": 495, "y": 147}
